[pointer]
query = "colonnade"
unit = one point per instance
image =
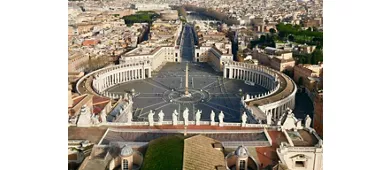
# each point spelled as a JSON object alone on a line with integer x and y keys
{"x": 254, "y": 76}
{"x": 269, "y": 79}
{"x": 278, "y": 110}
{"x": 119, "y": 74}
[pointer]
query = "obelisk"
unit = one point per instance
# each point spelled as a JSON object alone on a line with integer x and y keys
{"x": 186, "y": 92}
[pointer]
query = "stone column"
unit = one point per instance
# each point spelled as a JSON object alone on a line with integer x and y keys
{"x": 127, "y": 76}
{"x": 114, "y": 80}
{"x": 260, "y": 76}
{"x": 268, "y": 84}
{"x": 230, "y": 73}
{"x": 150, "y": 72}
{"x": 105, "y": 82}
{"x": 224, "y": 73}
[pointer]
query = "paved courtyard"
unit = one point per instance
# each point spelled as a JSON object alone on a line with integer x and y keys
{"x": 209, "y": 91}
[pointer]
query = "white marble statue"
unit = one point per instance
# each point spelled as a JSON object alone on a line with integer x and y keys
{"x": 289, "y": 111}
{"x": 197, "y": 116}
{"x": 290, "y": 121}
{"x": 103, "y": 116}
{"x": 130, "y": 99}
{"x": 299, "y": 124}
{"x": 185, "y": 116}
{"x": 85, "y": 116}
{"x": 269, "y": 118}
{"x": 221, "y": 116}
{"x": 212, "y": 117}
{"x": 247, "y": 97}
{"x": 307, "y": 121}
{"x": 244, "y": 118}
{"x": 95, "y": 119}
{"x": 126, "y": 96}
{"x": 150, "y": 118}
{"x": 174, "y": 117}
{"x": 160, "y": 117}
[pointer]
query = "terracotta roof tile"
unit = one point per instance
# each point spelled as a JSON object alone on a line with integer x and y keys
{"x": 267, "y": 156}
{"x": 277, "y": 137}
{"x": 200, "y": 154}
{"x": 78, "y": 99}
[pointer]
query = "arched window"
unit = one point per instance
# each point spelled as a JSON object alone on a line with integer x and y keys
{"x": 242, "y": 165}
{"x": 125, "y": 164}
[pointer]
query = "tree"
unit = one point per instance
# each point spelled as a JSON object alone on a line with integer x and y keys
{"x": 291, "y": 38}
{"x": 317, "y": 56}
{"x": 272, "y": 31}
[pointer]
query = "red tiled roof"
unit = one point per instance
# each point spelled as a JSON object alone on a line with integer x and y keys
{"x": 99, "y": 103}
{"x": 99, "y": 99}
{"x": 78, "y": 99}
{"x": 277, "y": 137}
{"x": 267, "y": 156}
{"x": 98, "y": 108}
{"x": 90, "y": 42}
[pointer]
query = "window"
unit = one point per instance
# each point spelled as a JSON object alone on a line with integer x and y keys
{"x": 299, "y": 164}
{"x": 125, "y": 164}
{"x": 242, "y": 165}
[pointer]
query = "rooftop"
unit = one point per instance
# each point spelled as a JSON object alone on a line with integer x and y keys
{"x": 303, "y": 138}
{"x": 165, "y": 153}
{"x": 200, "y": 154}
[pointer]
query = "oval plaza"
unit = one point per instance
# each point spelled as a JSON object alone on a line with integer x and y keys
{"x": 276, "y": 94}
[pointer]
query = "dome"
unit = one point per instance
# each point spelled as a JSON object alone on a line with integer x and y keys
{"x": 241, "y": 151}
{"x": 126, "y": 151}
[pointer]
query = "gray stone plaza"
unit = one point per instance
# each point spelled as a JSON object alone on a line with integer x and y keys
{"x": 209, "y": 91}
